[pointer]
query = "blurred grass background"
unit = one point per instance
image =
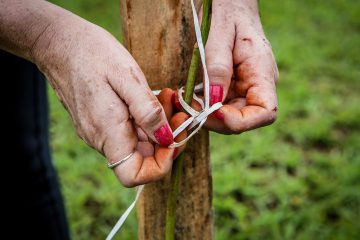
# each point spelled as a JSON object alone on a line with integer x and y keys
{"x": 298, "y": 179}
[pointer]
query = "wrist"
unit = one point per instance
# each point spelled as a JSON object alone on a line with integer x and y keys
{"x": 54, "y": 41}
{"x": 248, "y": 16}
{"x": 37, "y": 30}
{"x": 22, "y": 25}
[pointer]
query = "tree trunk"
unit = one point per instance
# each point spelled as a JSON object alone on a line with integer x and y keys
{"x": 160, "y": 36}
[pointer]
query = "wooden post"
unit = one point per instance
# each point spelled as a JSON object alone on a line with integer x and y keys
{"x": 160, "y": 36}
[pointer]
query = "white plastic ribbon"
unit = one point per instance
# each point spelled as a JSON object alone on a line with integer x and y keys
{"x": 125, "y": 214}
{"x": 196, "y": 119}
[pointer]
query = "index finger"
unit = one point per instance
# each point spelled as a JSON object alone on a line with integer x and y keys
{"x": 255, "y": 80}
{"x": 254, "y": 85}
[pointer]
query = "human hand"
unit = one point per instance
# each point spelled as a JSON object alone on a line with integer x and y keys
{"x": 108, "y": 98}
{"x": 241, "y": 68}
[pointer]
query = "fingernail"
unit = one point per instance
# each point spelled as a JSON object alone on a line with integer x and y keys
{"x": 164, "y": 136}
{"x": 175, "y": 153}
{"x": 175, "y": 102}
{"x": 216, "y": 93}
{"x": 220, "y": 115}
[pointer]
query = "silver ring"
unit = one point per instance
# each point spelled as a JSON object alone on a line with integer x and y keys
{"x": 121, "y": 161}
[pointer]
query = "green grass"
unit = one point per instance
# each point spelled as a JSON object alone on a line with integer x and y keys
{"x": 298, "y": 179}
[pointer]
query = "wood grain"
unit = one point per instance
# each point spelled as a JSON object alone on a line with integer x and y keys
{"x": 160, "y": 36}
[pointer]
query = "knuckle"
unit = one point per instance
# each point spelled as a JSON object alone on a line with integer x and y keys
{"x": 79, "y": 130}
{"x": 92, "y": 131}
{"x": 152, "y": 115}
{"x": 219, "y": 70}
{"x": 273, "y": 115}
{"x": 83, "y": 132}
{"x": 245, "y": 40}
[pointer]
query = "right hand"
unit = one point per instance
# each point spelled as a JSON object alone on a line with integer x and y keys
{"x": 108, "y": 98}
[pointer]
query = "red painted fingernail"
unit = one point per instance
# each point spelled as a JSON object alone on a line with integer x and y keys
{"x": 175, "y": 153}
{"x": 216, "y": 93}
{"x": 164, "y": 136}
{"x": 219, "y": 115}
{"x": 175, "y": 102}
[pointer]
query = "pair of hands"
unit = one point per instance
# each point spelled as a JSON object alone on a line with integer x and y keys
{"x": 113, "y": 108}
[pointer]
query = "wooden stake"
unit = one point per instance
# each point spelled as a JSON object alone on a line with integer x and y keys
{"x": 160, "y": 36}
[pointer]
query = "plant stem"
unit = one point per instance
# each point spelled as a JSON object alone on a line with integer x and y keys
{"x": 189, "y": 90}
{"x": 171, "y": 201}
{"x": 195, "y": 58}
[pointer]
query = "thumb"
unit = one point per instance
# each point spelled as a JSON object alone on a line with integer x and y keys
{"x": 219, "y": 58}
{"x": 144, "y": 107}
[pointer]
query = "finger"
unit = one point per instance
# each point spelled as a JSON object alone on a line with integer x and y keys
{"x": 217, "y": 125}
{"x": 141, "y": 134}
{"x": 255, "y": 77}
{"x": 176, "y": 103}
{"x": 257, "y": 82}
{"x": 114, "y": 135}
{"x": 149, "y": 163}
{"x": 219, "y": 57}
{"x": 175, "y": 122}
{"x": 237, "y": 121}
{"x": 140, "y": 170}
{"x": 238, "y": 103}
{"x": 145, "y": 165}
{"x": 144, "y": 146}
{"x": 143, "y": 105}
{"x": 146, "y": 149}
{"x": 165, "y": 98}
{"x": 168, "y": 98}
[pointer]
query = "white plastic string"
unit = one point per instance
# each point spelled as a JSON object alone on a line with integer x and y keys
{"x": 202, "y": 56}
{"x": 125, "y": 214}
{"x": 196, "y": 119}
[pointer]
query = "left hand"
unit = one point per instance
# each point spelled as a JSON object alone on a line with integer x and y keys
{"x": 241, "y": 67}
